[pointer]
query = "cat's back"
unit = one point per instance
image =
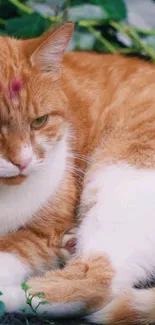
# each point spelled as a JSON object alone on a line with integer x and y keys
{"x": 107, "y": 91}
{"x": 96, "y": 65}
{"x": 106, "y": 77}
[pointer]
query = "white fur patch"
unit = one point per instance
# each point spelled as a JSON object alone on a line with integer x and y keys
{"x": 103, "y": 316}
{"x": 142, "y": 300}
{"x": 7, "y": 169}
{"x": 13, "y": 298}
{"x": 12, "y": 270}
{"x": 19, "y": 203}
{"x": 12, "y": 273}
{"x": 60, "y": 309}
{"x": 122, "y": 222}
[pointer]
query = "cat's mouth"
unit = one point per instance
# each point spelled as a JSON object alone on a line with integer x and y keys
{"x": 13, "y": 174}
{"x": 13, "y": 180}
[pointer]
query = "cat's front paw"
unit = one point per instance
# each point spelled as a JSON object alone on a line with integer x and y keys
{"x": 12, "y": 273}
{"x": 68, "y": 244}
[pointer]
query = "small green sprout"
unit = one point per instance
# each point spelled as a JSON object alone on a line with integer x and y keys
{"x": 29, "y": 299}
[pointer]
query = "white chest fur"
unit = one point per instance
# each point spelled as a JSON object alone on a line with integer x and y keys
{"x": 122, "y": 222}
{"x": 19, "y": 203}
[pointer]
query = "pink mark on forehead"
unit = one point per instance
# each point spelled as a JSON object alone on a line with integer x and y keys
{"x": 13, "y": 88}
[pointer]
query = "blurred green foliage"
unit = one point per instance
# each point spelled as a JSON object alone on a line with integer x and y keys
{"x": 99, "y": 24}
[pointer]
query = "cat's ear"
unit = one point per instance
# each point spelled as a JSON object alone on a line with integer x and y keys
{"x": 48, "y": 56}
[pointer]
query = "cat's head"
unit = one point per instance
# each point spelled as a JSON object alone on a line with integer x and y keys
{"x": 32, "y": 104}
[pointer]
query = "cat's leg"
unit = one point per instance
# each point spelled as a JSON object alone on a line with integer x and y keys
{"x": 82, "y": 281}
{"x": 22, "y": 254}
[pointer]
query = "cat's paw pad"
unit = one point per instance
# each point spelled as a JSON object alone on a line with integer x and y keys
{"x": 68, "y": 244}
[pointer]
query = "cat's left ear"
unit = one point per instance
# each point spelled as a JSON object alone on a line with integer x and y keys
{"x": 48, "y": 56}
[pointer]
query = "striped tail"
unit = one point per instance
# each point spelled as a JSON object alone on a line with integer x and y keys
{"x": 136, "y": 306}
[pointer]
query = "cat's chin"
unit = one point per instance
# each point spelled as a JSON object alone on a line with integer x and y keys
{"x": 13, "y": 180}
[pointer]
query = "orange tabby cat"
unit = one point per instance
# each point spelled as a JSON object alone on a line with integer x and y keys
{"x": 97, "y": 106}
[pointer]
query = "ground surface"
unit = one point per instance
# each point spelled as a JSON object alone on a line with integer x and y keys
{"x": 14, "y": 320}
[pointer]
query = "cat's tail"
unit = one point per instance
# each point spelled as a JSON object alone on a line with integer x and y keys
{"x": 136, "y": 306}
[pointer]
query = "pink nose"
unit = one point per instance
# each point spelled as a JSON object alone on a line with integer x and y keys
{"x": 24, "y": 163}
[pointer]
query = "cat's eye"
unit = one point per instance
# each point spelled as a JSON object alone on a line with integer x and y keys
{"x": 39, "y": 122}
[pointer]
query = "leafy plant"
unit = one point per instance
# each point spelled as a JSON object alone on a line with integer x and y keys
{"x": 29, "y": 300}
{"x": 100, "y": 25}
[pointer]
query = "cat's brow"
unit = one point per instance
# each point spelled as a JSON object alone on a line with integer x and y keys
{"x": 57, "y": 113}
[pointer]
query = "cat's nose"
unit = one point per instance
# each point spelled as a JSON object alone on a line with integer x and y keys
{"x": 24, "y": 163}
{"x": 24, "y": 159}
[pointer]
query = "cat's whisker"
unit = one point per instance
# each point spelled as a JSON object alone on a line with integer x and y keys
{"x": 76, "y": 170}
{"x": 82, "y": 158}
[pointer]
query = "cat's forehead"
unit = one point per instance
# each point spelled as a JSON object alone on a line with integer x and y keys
{"x": 24, "y": 90}
{"x": 22, "y": 99}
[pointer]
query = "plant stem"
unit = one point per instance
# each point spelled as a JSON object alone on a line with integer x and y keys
{"x": 132, "y": 33}
{"x": 118, "y": 27}
{"x": 21, "y": 6}
{"x": 29, "y": 302}
{"x": 144, "y": 31}
{"x": 102, "y": 39}
{"x": 147, "y": 49}
{"x": 88, "y": 23}
{"x": 53, "y": 19}
{"x": 128, "y": 50}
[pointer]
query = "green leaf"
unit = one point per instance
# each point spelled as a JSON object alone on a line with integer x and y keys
{"x": 2, "y": 308}
{"x": 29, "y": 299}
{"x": 1, "y": 293}
{"x": 86, "y": 12}
{"x": 2, "y": 32}
{"x": 7, "y": 9}
{"x": 44, "y": 302}
{"x": 27, "y": 26}
{"x": 77, "y": 2}
{"x": 24, "y": 310}
{"x": 40, "y": 295}
{"x": 44, "y": 315}
{"x": 116, "y": 9}
{"x": 25, "y": 286}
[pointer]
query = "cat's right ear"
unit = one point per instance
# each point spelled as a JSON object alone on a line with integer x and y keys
{"x": 49, "y": 54}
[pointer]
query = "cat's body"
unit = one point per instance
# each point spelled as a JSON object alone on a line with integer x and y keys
{"x": 100, "y": 138}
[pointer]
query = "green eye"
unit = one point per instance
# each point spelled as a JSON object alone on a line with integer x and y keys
{"x": 39, "y": 122}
